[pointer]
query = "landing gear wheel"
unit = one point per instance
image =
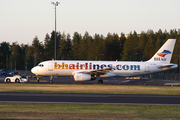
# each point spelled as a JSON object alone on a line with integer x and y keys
{"x": 100, "y": 81}
{"x": 51, "y": 79}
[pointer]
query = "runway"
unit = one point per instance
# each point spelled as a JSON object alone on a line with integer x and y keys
{"x": 89, "y": 98}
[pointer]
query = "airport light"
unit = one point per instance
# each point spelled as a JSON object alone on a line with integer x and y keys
{"x": 55, "y": 4}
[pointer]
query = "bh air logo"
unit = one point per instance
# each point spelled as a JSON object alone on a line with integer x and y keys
{"x": 162, "y": 55}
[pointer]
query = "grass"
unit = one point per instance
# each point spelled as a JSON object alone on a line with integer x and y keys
{"x": 88, "y": 111}
{"x": 93, "y": 89}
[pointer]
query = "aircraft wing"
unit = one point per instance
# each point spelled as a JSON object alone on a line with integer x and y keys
{"x": 97, "y": 72}
{"x": 101, "y": 71}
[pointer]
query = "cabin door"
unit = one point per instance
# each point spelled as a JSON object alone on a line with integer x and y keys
{"x": 147, "y": 68}
{"x": 50, "y": 66}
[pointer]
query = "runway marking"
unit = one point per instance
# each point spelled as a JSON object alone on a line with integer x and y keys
{"x": 172, "y": 84}
{"x": 125, "y": 81}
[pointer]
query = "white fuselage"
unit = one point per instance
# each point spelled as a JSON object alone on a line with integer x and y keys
{"x": 119, "y": 68}
{"x": 88, "y": 70}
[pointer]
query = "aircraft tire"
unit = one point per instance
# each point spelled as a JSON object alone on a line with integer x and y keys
{"x": 100, "y": 81}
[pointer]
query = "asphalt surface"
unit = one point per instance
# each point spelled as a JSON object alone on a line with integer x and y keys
{"x": 92, "y": 98}
{"x": 111, "y": 81}
{"x": 88, "y": 98}
{"x": 70, "y": 80}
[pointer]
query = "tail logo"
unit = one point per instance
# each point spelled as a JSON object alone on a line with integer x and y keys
{"x": 164, "y": 53}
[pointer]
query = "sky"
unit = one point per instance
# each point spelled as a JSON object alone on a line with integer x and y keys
{"x": 22, "y": 20}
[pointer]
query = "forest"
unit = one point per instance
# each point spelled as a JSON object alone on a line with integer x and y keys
{"x": 121, "y": 47}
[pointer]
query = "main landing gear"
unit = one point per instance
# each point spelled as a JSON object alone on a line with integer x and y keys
{"x": 51, "y": 79}
{"x": 100, "y": 81}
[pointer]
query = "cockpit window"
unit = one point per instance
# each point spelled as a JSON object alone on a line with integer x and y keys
{"x": 41, "y": 65}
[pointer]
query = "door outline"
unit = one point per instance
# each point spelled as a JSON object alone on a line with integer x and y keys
{"x": 147, "y": 68}
{"x": 50, "y": 66}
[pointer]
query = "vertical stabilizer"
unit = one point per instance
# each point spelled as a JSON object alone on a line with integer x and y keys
{"x": 164, "y": 54}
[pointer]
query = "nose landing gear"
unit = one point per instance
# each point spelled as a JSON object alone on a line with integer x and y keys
{"x": 51, "y": 79}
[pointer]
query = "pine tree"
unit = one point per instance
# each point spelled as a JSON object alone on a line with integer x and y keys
{"x": 83, "y": 47}
{"x": 98, "y": 46}
{"x": 62, "y": 52}
{"x": 149, "y": 49}
{"x": 4, "y": 54}
{"x": 68, "y": 46}
{"x": 16, "y": 56}
{"x": 47, "y": 48}
{"x": 37, "y": 50}
{"x": 141, "y": 45}
{"x": 75, "y": 46}
{"x": 113, "y": 48}
{"x": 89, "y": 40}
{"x": 29, "y": 57}
{"x": 159, "y": 42}
{"x": 50, "y": 50}
{"x": 130, "y": 50}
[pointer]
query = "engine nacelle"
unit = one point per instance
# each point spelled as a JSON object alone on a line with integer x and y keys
{"x": 83, "y": 77}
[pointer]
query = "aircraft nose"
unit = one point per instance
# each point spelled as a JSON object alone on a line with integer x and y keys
{"x": 34, "y": 70}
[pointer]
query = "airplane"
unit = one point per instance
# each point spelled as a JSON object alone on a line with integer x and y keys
{"x": 90, "y": 70}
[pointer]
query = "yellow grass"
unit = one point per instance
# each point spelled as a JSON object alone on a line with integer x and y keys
{"x": 94, "y": 89}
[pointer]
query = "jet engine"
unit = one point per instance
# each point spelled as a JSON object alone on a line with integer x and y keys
{"x": 83, "y": 77}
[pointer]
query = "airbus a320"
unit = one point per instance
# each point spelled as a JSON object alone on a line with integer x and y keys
{"x": 90, "y": 70}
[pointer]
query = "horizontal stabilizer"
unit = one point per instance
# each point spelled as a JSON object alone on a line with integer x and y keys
{"x": 165, "y": 66}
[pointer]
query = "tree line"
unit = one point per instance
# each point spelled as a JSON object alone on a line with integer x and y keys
{"x": 131, "y": 47}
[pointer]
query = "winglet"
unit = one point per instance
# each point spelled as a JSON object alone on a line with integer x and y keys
{"x": 164, "y": 54}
